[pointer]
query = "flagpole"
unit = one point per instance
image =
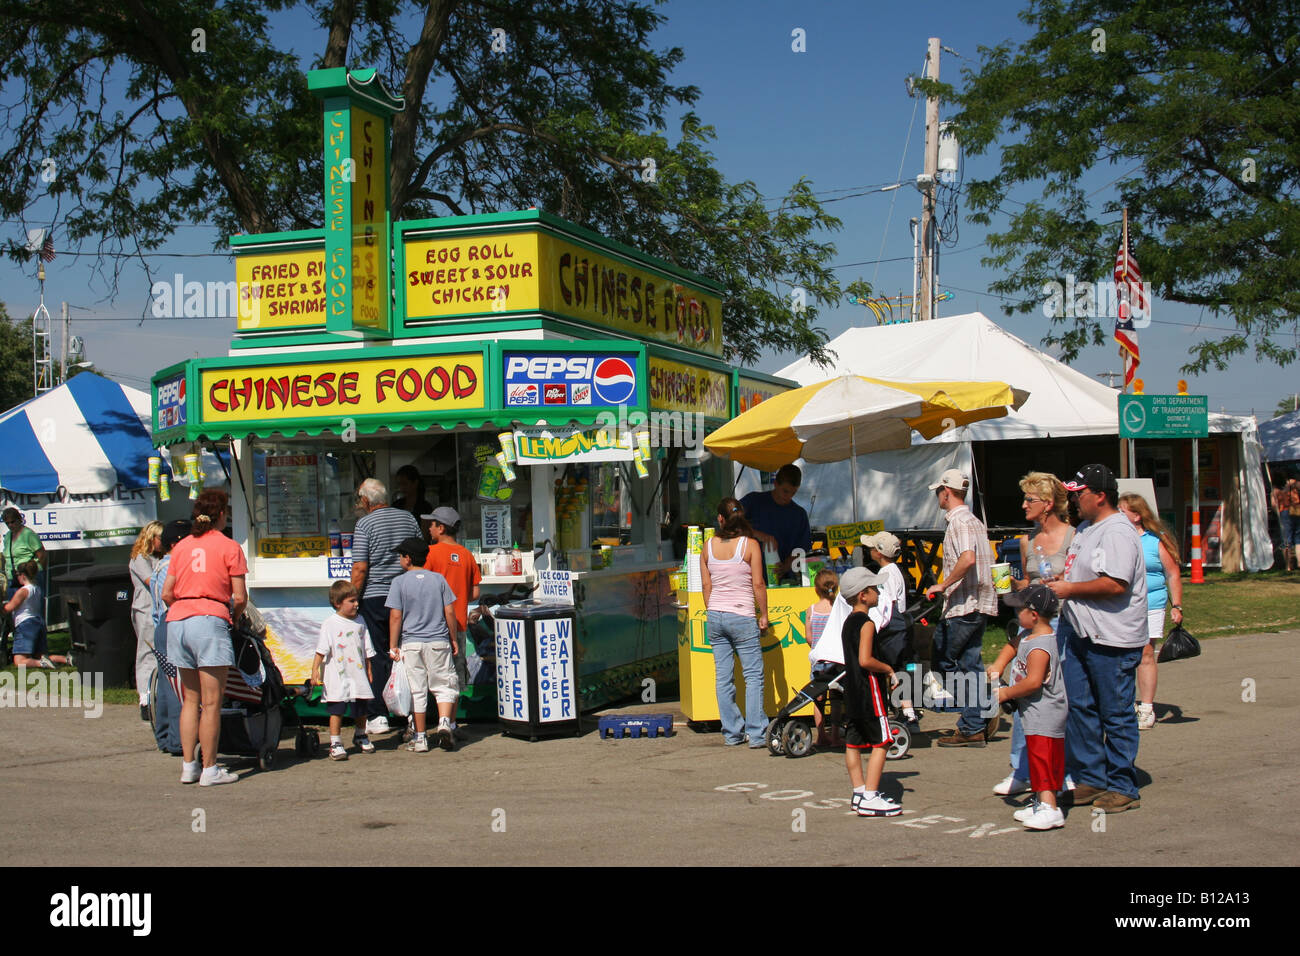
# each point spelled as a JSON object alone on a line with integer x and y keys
{"x": 1125, "y": 447}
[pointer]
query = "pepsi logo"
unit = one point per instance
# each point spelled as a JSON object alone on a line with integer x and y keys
{"x": 555, "y": 393}
{"x": 614, "y": 381}
{"x": 522, "y": 394}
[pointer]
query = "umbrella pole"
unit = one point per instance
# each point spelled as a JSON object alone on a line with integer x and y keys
{"x": 853, "y": 447}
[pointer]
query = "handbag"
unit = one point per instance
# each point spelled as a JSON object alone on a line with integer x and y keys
{"x": 1178, "y": 646}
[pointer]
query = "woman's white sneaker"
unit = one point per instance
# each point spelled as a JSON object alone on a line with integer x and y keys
{"x": 212, "y": 776}
{"x": 1010, "y": 785}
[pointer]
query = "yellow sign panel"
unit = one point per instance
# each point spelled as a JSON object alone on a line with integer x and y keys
{"x": 281, "y": 289}
{"x": 529, "y": 270}
{"x": 676, "y": 387}
{"x": 751, "y": 392}
{"x": 850, "y": 535}
{"x": 369, "y": 224}
{"x": 470, "y": 276}
{"x": 309, "y": 547}
{"x": 346, "y": 387}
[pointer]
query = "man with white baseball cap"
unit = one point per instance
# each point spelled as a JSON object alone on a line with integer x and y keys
{"x": 967, "y": 586}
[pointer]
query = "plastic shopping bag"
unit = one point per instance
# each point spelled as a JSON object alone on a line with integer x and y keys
{"x": 1179, "y": 645}
{"x": 397, "y": 692}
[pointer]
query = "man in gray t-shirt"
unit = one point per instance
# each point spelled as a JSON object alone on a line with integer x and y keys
{"x": 1104, "y": 627}
{"x": 422, "y": 635}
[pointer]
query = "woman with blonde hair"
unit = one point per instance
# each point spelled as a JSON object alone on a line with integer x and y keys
{"x": 1164, "y": 580}
{"x": 144, "y": 560}
{"x": 1046, "y": 504}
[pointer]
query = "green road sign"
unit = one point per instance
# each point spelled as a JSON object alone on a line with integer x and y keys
{"x": 1164, "y": 416}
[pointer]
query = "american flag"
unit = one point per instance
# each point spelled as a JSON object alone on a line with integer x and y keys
{"x": 1129, "y": 291}
{"x": 47, "y": 250}
{"x": 171, "y": 673}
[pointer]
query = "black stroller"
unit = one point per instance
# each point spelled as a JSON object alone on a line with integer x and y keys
{"x": 791, "y": 736}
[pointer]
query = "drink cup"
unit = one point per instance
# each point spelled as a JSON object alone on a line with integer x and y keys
{"x": 507, "y": 440}
{"x": 155, "y": 466}
{"x": 1002, "y": 577}
{"x": 164, "y": 487}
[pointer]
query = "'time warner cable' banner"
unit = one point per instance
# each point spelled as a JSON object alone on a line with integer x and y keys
{"x": 386, "y": 385}
{"x": 63, "y": 521}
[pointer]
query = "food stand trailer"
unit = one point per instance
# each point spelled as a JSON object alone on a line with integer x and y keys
{"x": 552, "y": 386}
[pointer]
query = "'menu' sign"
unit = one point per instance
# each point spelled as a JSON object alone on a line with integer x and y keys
{"x": 389, "y": 386}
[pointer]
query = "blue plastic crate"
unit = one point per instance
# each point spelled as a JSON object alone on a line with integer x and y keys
{"x": 636, "y": 725}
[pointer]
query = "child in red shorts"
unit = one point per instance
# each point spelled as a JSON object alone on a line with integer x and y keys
{"x": 1038, "y": 691}
{"x": 866, "y": 687}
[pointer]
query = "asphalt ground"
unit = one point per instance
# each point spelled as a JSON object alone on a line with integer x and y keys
{"x": 1217, "y": 770}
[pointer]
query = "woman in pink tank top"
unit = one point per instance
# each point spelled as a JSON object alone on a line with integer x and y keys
{"x": 735, "y": 598}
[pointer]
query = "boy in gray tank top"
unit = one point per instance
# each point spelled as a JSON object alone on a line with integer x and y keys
{"x": 1038, "y": 691}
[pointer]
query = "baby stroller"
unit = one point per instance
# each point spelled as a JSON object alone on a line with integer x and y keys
{"x": 792, "y": 736}
{"x": 253, "y": 710}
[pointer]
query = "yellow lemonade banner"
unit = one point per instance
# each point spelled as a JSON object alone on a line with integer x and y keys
{"x": 850, "y": 535}
{"x": 388, "y": 385}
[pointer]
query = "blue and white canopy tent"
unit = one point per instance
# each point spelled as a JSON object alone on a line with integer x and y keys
{"x": 75, "y": 461}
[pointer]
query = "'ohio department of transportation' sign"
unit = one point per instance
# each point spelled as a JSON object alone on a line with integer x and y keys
{"x": 1164, "y": 416}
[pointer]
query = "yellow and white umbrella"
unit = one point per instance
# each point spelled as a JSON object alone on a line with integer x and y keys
{"x": 854, "y": 415}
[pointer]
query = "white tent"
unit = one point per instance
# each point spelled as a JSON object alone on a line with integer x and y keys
{"x": 1063, "y": 403}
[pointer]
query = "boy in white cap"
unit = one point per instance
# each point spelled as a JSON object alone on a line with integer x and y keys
{"x": 893, "y": 636}
{"x": 865, "y": 691}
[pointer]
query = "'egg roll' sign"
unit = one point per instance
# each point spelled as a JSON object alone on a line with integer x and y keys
{"x": 346, "y": 387}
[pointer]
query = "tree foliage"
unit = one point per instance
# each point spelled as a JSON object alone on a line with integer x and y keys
{"x": 1191, "y": 110}
{"x": 510, "y": 104}
{"x": 15, "y": 360}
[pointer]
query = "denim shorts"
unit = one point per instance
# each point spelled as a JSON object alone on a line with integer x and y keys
{"x": 347, "y": 708}
{"x": 202, "y": 641}
{"x": 29, "y": 638}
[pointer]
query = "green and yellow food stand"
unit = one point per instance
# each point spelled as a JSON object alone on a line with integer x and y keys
{"x": 552, "y": 386}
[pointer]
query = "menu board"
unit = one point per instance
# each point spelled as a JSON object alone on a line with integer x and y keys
{"x": 293, "y": 501}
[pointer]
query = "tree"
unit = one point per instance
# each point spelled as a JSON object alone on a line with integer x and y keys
{"x": 140, "y": 115}
{"x": 1288, "y": 405}
{"x": 15, "y": 360}
{"x": 1196, "y": 106}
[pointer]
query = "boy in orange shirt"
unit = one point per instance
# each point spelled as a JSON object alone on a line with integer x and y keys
{"x": 456, "y": 563}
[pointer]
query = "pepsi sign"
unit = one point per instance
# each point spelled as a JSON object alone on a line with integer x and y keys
{"x": 567, "y": 380}
{"x": 171, "y": 402}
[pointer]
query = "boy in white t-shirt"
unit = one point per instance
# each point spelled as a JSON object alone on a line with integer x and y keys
{"x": 343, "y": 656}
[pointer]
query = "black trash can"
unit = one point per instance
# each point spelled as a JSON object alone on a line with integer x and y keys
{"x": 537, "y": 669}
{"x": 99, "y": 618}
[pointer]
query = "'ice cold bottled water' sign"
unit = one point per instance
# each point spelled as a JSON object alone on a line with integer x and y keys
{"x": 555, "y": 587}
{"x": 556, "y": 684}
{"x": 512, "y": 670}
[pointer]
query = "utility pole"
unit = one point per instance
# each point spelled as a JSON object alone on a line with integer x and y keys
{"x": 63, "y": 369}
{"x": 928, "y": 183}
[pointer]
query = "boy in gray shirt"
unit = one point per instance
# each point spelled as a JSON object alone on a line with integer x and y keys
{"x": 422, "y": 635}
{"x": 1038, "y": 691}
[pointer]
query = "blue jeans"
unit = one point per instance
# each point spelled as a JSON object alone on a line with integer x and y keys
{"x": 375, "y": 614}
{"x": 736, "y": 634}
{"x": 1289, "y": 526}
{"x": 1101, "y": 730}
{"x": 957, "y": 645}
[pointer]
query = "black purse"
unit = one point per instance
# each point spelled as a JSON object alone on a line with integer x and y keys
{"x": 1178, "y": 646}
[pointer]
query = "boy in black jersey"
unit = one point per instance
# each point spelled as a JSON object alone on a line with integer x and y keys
{"x": 867, "y": 681}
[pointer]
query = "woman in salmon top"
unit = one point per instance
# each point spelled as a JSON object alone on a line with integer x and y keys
{"x": 204, "y": 592}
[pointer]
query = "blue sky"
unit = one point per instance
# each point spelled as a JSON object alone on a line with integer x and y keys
{"x": 838, "y": 114}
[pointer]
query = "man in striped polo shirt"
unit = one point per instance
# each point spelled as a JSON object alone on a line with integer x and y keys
{"x": 375, "y": 563}
{"x": 968, "y": 589}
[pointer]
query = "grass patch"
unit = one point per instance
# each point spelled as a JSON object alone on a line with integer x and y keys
{"x": 1225, "y": 604}
{"x": 59, "y": 642}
